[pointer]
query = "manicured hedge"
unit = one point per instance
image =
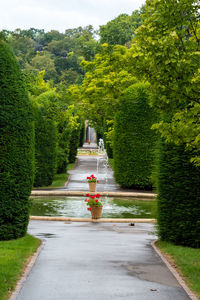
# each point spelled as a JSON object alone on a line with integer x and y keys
{"x": 134, "y": 140}
{"x": 64, "y": 135}
{"x": 16, "y": 148}
{"x": 74, "y": 143}
{"x": 82, "y": 133}
{"x": 45, "y": 148}
{"x": 178, "y": 197}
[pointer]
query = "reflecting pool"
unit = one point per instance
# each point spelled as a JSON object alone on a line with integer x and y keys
{"x": 77, "y": 208}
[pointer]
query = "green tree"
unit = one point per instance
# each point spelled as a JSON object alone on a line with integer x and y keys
{"x": 16, "y": 148}
{"x": 120, "y": 30}
{"x": 166, "y": 52}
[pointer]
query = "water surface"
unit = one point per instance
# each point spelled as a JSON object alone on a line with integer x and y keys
{"x": 76, "y": 207}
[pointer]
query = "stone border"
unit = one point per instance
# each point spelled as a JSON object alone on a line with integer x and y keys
{"x": 141, "y": 196}
{"x": 27, "y": 270}
{"x": 102, "y": 220}
{"x": 174, "y": 272}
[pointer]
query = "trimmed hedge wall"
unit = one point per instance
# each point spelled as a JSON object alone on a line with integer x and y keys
{"x": 82, "y": 133}
{"x": 64, "y": 134}
{"x": 134, "y": 141}
{"x": 16, "y": 148}
{"x": 45, "y": 149}
{"x": 178, "y": 197}
{"x": 74, "y": 143}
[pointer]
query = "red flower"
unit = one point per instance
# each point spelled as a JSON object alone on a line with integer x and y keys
{"x": 87, "y": 195}
{"x": 89, "y": 208}
{"x": 89, "y": 178}
{"x": 96, "y": 200}
{"x": 97, "y": 181}
{"x": 86, "y": 200}
{"x": 97, "y": 195}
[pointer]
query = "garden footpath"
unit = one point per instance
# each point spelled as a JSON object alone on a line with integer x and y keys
{"x": 101, "y": 261}
{"x": 85, "y": 166}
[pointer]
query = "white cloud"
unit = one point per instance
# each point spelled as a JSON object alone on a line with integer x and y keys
{"x": 60, "y": 14}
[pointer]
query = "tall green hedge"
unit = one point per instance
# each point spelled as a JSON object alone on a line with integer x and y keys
{"x": 63, "y": 134}
{"x": 133, "y": 139}
{"x": 16, "y": 148}
{"x": 82, "y": 133}
{"x": 45, "y": 148}
{"x": 178, "y": 197}
{"x": 74, "y": 143}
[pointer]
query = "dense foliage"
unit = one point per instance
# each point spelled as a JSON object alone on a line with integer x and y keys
{"x": 45, "y": 149}
{"x": 134, "y": 144}
{"x": 179, "y": 197}
{"x": 16, "y": 148}
{"x": 166, "y": 52}
{"x": 74, "y": 143}
{"x": 120, "y": 30}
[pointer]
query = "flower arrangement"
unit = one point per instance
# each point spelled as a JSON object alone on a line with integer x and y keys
{"x": 92, "y": 178}
{"x": 93, "y": 201}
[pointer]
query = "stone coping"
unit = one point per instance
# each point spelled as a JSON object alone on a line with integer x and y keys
{"x": 142, "y": 196}
{"x": 102, "y": 220}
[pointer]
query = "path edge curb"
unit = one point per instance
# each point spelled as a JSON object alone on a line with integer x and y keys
{"x": 174, "y": 272}
{"x": 26, "y": 272}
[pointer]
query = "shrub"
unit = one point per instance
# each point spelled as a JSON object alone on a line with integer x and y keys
{"x": 16, "y": 148}
{"x": 133, "y": 139}
{"x": 178, "y": 197}
{"x": 45, "y": 149}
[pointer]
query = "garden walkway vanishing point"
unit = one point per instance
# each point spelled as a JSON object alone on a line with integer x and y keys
{"x": 97, "y": 261}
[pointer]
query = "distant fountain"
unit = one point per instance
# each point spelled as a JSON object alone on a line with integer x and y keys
{"x": 104, "y": 158}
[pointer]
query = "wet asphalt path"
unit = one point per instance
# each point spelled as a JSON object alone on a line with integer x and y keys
{"x": 87, "y": 165}
{"x": 98, "y": 261}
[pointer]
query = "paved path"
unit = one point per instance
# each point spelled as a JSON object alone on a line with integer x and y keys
{"x": 93, "y": 261}
{"x": 87, "y": 165}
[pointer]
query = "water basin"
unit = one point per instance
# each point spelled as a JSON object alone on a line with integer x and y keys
{"x": 76, "y": 207}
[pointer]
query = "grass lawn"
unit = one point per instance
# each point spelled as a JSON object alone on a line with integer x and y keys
{"x": 13, "y": 256}
{"x": 59, "y": 179}
{"x": 188, "y": 262}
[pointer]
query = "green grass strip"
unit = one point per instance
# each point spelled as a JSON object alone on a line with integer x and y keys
{"x": 13, "y": 256}
{"x": 59, "y": 179}
{"x": 188, "y": 262}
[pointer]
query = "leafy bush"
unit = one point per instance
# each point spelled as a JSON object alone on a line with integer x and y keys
{"x": 45, "y": 149}
{"x": 133, "y": 139}
{"x": 16, "y": 148}
{"x": 178, "y": 197}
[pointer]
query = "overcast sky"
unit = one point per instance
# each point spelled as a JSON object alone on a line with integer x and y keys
{"x": 62, "y": 14}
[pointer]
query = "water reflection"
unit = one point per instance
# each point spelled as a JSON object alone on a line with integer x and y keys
{"x": 76, "y": 207}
